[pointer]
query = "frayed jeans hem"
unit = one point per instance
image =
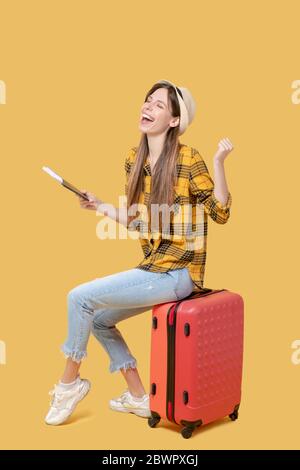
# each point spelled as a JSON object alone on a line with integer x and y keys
{"x": 127, "y": 365}
{"x": 76, "y": 356}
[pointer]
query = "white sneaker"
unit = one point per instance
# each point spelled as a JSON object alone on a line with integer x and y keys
{"x": 64, "y": 401}
{"x": 129, "y": 404}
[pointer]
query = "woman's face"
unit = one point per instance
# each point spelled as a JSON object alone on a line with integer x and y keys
{"x": 157, "y": 109}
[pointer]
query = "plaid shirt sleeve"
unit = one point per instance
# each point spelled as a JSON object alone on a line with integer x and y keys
{"x": 201, "y": 185}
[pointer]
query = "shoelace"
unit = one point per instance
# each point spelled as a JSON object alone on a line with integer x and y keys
{"x": 124, "y": 395}
{"x": 57, "y": 396}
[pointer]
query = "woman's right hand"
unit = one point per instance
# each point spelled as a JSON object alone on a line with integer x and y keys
{"x": 92, "y": 203}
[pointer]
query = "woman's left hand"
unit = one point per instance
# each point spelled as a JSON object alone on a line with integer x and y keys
{"x": 224, "y": 148}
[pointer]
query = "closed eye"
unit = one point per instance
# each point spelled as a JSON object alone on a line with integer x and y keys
{"x": 161, "y": 106}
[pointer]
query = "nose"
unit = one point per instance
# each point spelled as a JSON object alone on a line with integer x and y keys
{"x": 148, "y": 106}
{"x": 146, "y": 109}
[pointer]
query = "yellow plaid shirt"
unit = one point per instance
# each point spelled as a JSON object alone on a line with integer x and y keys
{"x": 184, "y": 243}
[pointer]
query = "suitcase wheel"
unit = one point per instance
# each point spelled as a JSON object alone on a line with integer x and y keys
{"x": 235, "y": 414}
{"x": 189, "y": 427}
{"x": 154, "y": 420}
{"x": 187, "y": 432}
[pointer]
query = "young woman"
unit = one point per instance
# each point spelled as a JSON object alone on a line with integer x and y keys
{"x": 160, "y": 171}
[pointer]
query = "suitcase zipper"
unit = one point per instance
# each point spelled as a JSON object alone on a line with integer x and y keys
{"x": 171, "y": 334}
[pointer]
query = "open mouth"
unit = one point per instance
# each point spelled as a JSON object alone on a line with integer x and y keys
{"x": 146, "y": 120}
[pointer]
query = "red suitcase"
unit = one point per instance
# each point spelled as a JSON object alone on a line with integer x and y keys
{"x": 196, "y": 359}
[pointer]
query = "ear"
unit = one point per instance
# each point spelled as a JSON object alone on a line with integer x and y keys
{"x": 175, "y": 122}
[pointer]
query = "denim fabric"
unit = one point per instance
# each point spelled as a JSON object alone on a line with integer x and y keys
{"x": 96, "y": 306}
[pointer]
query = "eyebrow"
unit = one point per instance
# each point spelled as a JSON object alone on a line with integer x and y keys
{"x": 150, "y": 96}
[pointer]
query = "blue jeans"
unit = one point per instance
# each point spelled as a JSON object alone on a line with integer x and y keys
{"x": 96, "y": 306}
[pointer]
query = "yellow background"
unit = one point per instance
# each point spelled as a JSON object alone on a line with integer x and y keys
{"x": 76, "y": 74}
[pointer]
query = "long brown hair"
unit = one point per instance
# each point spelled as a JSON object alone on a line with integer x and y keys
{"x": 165, "y": 176}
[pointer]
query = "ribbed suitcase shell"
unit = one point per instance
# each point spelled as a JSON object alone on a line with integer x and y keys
{"x": 196, "y": 359}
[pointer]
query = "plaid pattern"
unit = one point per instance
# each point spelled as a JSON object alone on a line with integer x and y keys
{"x": 182, "y": 242}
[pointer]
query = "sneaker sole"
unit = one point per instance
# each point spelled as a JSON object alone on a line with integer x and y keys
{"x": 84, "y": 394}
{"x": 138, "y": 412}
